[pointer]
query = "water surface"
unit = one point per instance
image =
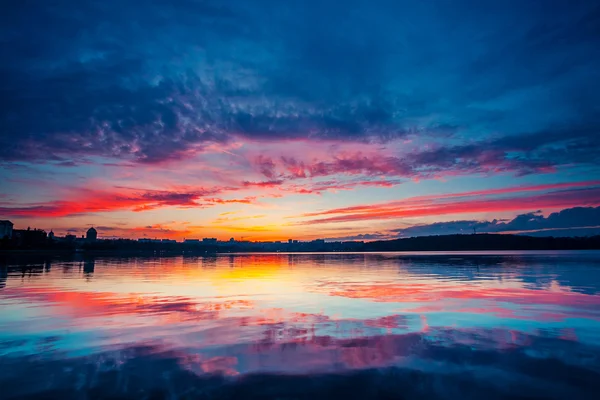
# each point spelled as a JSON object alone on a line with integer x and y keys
{"x": 387, "y": 325}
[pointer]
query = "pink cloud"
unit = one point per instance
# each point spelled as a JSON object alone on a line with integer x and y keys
{"x": 571, "y": 194}
{"x": 85, "y": 201}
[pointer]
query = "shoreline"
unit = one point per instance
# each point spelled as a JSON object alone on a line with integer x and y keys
{"x": 214, "y": 253}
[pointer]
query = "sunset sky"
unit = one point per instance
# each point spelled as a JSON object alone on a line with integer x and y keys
{"x": 271, "y": 119}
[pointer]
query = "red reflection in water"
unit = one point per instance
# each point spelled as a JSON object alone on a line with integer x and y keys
{"x": 415, "y": 293}
{"x": 325, "y": 352}
{"x": 93, "y": 304}
{"x": 389, "y": 322}
{"x": 200, "y": 364}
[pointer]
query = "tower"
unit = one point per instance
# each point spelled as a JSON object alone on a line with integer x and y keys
{"x": 91, "y": 235}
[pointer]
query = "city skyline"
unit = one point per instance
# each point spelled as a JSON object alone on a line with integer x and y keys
{"x": 269, "y": 120}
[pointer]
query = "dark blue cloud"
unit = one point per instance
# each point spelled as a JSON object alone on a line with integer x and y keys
{"x": 152, "y": 80}
{"x": 568, "y": 222}
{"x": 360, "y": 237}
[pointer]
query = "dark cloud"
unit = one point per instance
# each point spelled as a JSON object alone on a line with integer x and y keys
{"x": 107, "y": 228}
{"x": 83, "y": 229}
{"x": 266, "y": 166}
{"x": 263, "y": 184}
{"x": 568, "y": 222}
{"x": 159, "y": 80}
{"x": 361, "y": 237}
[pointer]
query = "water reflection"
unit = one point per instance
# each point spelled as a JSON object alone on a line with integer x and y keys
{"x": 483, "y": 314}
{"x": 88, "y": 266}
{"x": 3, "y": 276}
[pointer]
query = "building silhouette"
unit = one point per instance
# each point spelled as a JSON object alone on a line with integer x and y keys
{"x": 29, "y": 237}
{"x": 6, "y": 229}
{"x": 91, "y": 235}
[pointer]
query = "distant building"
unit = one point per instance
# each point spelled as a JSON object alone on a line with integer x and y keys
{"x": 168, "y": 241}
{"x": 191, "y": 241}
{"x": 290, "y": 241}
{"x": 209, "y": 241}
{"x": 231, "y": 240}
{"x": 6, "y": 229}
{"x": 319, "y": 241}
{"x": 51, "y": 235}
{"x": 91, "y": 235}
{"x": 29, "y": 237}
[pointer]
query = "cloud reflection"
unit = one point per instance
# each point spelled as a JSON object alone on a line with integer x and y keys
{"x": 238, "y": 314}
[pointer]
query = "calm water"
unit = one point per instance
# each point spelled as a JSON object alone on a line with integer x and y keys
{"x": 389, "y": 325}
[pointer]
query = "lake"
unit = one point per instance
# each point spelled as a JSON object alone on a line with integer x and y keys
{"x": 377, "y": 325}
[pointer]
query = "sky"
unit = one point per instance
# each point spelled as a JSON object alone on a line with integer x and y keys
{"x": 269, "y": 120}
